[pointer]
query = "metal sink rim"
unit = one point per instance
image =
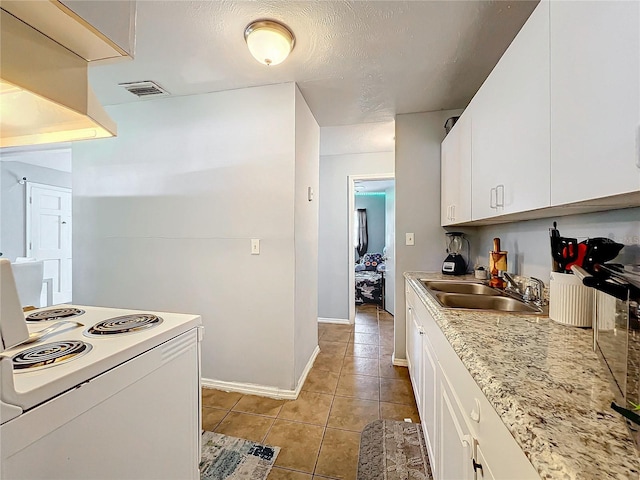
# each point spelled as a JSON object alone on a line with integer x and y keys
{"x": 482, "y": 288}
{"x": 527, "y": 308}
{"x": 524, "y": 308}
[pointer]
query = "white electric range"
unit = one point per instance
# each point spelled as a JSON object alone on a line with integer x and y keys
{"x": 118, "y": 398}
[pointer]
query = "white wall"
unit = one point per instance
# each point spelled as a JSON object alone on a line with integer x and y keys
{"x": 13, "y": 204}
{"x": 164, "y": 214}
{"x": 390, "y": 242}
{"x": 307, "y": 156}
{"x": 376, "y": 213}
{"x": 418, "y": 139}
{"x": 333, "y": 246}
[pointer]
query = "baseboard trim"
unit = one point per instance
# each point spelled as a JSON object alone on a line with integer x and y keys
{"x": 307, "y": 369}
{"x": 340, "y": 321}
{"x": 263, "y": 390}
{"x": 399, "y": 362}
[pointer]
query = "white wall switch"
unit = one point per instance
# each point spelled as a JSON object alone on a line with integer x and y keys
{"x": 255, "y": 246}
{"x": 410, "y": 240}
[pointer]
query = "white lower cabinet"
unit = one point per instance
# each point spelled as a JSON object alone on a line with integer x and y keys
{"x": 465, "y": 437}
{"x": 429, "y": 401}
{"x": 456, "y": 439}
{"x": 483, "y": 470}
{"x": 414, "y": 361}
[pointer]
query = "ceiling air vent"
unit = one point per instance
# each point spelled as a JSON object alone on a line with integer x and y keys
{"x": 144, "y": 89}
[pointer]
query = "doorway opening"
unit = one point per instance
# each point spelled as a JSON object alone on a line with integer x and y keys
{"x": 371, "y": 241}
{"x": 35, "y": 193}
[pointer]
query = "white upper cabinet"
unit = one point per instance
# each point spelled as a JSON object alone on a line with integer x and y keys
{"x": 595, "y": 99}
{"x": 115, "y": 20}
{"x": 456, "y": 173}
{"x": 511, "y": 132}
{"x": 92, "y": 30}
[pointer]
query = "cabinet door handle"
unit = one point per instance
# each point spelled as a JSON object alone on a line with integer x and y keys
{"x": 500, "y": 203}
{"x": 475, "y": 413}
{"x": 467, "y": 441}
{"x": 453, "y": 213}
{"x": 477, "y": 466}
{"x": 493, "y": 195}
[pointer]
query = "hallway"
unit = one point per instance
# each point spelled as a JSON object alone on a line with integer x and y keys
{"x": 351, "y": 384}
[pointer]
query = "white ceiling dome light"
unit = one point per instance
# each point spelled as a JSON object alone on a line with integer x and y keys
{"x": 269, "y": 42}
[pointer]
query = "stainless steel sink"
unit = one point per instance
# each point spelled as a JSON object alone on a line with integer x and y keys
{"x": 476, "y": 296}
{"x": 460, "y": 287}
{"x": 485, "y": 302}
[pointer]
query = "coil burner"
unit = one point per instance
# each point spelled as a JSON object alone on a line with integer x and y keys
{"x": 54, "y": 314}
{"x": 123, "y": 325}
{"x": 49, "y": 355}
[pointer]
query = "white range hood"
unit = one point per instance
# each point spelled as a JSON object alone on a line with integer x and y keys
{"x": 44, "y": 91}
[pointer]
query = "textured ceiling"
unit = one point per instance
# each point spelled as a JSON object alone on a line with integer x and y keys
{"x": 355, "y": 62}
{"x": 359, "y": 138}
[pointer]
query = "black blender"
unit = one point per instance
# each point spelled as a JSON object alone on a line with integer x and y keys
{"x": 455, "y": 263}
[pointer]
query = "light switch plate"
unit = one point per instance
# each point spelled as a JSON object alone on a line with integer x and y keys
{"x": 409, "y": 239}
{"x": 255, "y": 246}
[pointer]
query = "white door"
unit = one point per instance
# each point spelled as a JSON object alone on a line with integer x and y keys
{"x": 49, "y": 235}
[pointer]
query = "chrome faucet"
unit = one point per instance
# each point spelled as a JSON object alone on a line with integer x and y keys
{"x": 538, "y": 296}
{"x": 511, "y": 283}
{"x": 531, "y": 294}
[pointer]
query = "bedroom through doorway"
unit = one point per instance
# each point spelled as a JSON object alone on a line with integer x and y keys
{"x": 372, "y": 242}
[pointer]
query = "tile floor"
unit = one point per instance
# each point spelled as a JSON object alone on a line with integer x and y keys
{"x": 351, "y": 384}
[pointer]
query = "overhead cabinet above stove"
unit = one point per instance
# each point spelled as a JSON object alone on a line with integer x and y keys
{"x": 46, "y": 50}
{"x": 92, "y": 30}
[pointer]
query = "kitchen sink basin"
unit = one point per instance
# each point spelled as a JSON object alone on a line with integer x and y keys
{"x": 485, "y": 302}
{"x": 461, "y": 287}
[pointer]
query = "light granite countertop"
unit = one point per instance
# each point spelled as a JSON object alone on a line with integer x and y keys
{"x": 546, "y": 383}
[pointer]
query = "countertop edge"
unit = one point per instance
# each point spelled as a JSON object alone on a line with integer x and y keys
{"x": 547, "y": 458}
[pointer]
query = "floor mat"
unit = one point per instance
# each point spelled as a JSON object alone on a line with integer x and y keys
{"x": 231, "y": 458}
{"x": 392, "y": 450}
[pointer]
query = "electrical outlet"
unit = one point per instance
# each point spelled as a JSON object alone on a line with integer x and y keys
{"x": 409, "y": 239}
{"x": 255, "y": 246}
